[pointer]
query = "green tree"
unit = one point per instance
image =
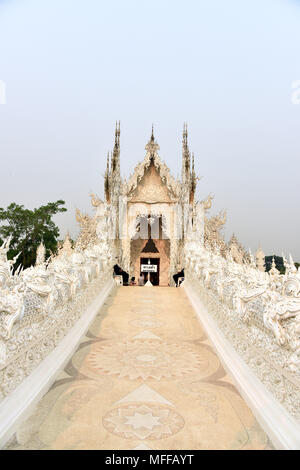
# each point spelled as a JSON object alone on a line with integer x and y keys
{"x": 27, "y": 228}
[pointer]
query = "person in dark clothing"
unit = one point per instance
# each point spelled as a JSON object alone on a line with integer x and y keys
{"x": 177, "y": 276}
{"x": 125, "y": 277}
{"x": 118, "y": 271}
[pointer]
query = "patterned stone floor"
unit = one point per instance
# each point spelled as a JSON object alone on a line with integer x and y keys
{"x": 144, "y": 377}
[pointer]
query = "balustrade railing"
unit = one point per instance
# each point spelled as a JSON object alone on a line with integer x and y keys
{"x": 258, "y": 312}
{"x": 39, "y": 306}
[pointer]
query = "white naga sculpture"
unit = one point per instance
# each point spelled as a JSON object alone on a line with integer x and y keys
{"x": 240, "y": 285}
{"x": 38, "y": 305}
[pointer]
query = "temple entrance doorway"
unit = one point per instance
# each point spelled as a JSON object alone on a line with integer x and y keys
{"x": 150, "y": 266}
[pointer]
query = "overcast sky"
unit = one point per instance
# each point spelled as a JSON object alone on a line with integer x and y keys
{"x": 72, "y": 68}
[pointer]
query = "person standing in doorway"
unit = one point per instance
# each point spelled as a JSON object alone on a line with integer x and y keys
{"x": 141, "y": 280}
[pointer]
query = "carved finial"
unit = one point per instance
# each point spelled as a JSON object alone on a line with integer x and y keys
{"x": 115, "y": 159}
{"x": 186, "y": 158}
{"x": 152, "y": 134}
{"x": 117, "y": 134}
{"x": 40, "y": 254}
{"x": 185, "y": 133}
{"x": 292, "y": 265}
{"x": 260, "y": 259}
{"x": 273, "y": 269}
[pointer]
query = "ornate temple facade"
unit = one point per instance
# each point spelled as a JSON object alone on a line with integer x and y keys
{"x": 152, "y": 213}
{"x": 149, "y": 217}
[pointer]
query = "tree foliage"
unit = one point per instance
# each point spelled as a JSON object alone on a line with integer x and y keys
{"x": 27, "y": 228}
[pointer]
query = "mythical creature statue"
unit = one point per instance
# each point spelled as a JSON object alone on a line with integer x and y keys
{"x": 254, "y": 295}
{"x": 95, "y": 201}
{"x": 88, "y": 235}
{"x": 31, "y": 297}
{"x": 237, "y": 251}
{"x": 212, "y": 228}
{"x": 207, "y": 203}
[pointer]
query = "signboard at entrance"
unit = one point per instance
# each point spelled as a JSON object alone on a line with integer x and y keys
{"x": 149, "y": 268}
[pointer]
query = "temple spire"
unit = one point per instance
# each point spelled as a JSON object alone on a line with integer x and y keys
{"x": 115, "y": 163}
{"x": 193, "y": 177}
{"x": 185, "y": 134}
{"x": 186, "y": 157}
{"x": 119, "y": 132}
{"x": 106, "y": 180}
{"x": 152, "y": 146}
{"x": 107, "y": 163}
{"x": 115, "y": 181}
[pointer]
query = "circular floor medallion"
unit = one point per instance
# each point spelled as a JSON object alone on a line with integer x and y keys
{"x": 148, "y": 360}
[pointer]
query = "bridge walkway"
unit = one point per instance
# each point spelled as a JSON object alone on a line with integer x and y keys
{"x": 144, "y": 377}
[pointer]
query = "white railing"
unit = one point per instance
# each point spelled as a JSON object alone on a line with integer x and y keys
{"x": 40, "y": 305}
{"x": 258, "y": 313}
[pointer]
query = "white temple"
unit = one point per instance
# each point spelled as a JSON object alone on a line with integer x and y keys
{"x": 149, "y": 210}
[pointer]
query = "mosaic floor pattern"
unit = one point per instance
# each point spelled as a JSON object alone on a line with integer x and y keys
{"x": 145, "y": 376}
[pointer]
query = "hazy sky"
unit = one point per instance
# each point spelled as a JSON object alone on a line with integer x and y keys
{"x": 72, "y": 68}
